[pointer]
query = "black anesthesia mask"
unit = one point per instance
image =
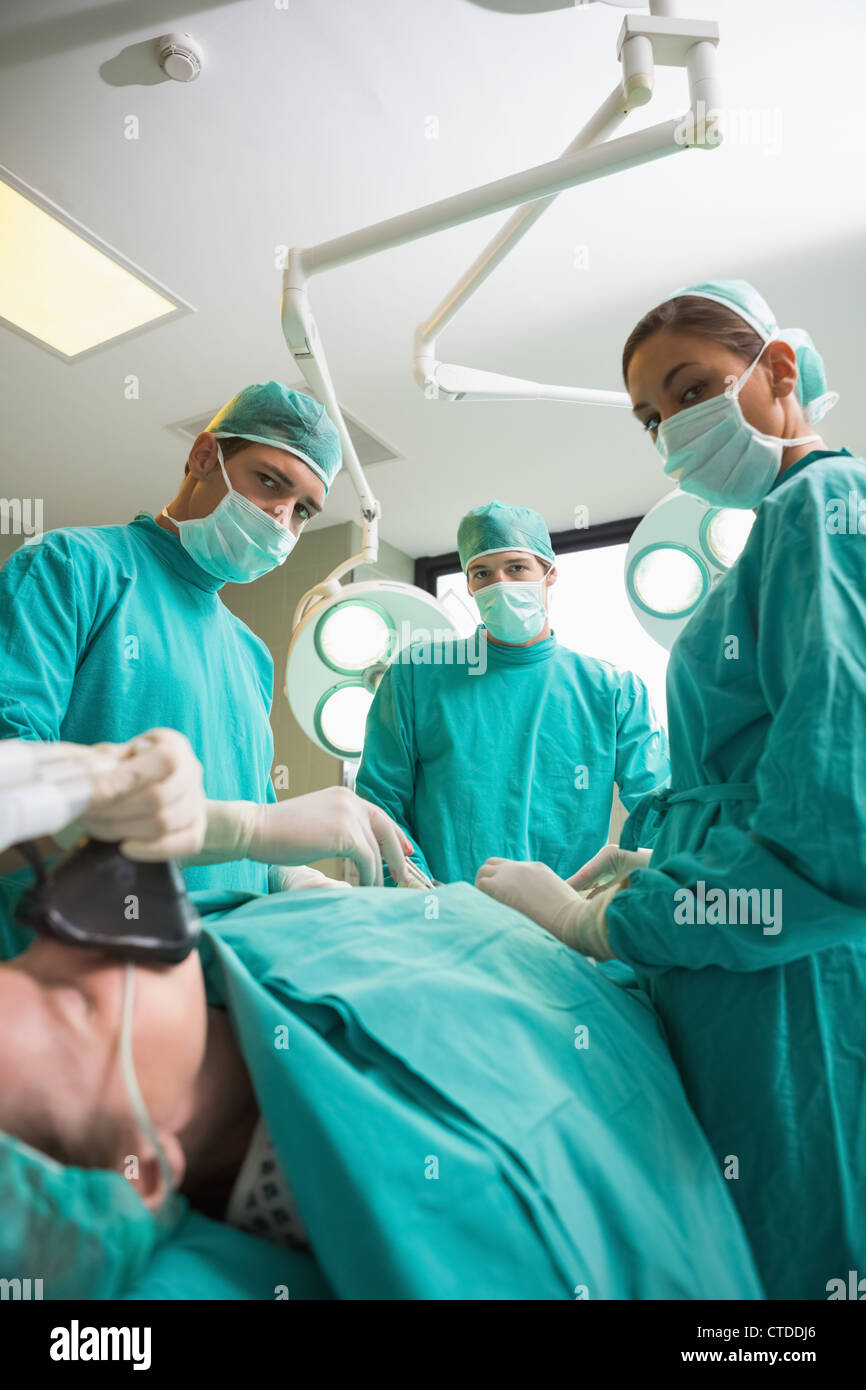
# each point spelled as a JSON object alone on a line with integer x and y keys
{"x": 98, "y": 898}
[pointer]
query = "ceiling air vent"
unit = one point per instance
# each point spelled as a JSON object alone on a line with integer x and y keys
{"x": 369, "y": 448}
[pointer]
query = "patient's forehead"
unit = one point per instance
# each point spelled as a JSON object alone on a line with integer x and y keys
{"x": 44, "y": 1030}
{"x": 49, "y": 1067}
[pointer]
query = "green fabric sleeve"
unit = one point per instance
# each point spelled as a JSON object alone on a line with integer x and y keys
{"x": 805, "y": 838}
{"x": 642, "y": 755}
{"x": 386, "y": 775}
{"x": 46, "y": 612}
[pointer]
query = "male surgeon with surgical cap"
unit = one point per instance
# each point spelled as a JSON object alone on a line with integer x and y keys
{"x": 108, "y": 630}
{"x": 508, "y": 743}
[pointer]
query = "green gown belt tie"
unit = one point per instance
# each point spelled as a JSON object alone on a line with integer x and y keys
{"x": 712, "y": 792}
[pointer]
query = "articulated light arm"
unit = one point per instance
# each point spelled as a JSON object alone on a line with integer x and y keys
{"x": 660, "y": 39}
{"x": 643, "y": 42}
{"x": 302, "y": 338}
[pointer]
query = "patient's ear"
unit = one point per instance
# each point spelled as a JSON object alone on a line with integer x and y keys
{"x": 150, "y": 1183}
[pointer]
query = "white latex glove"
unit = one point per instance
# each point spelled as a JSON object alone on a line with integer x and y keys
{"x": 285, "y": 880}
{"x": 539, "y": 893}
{"x": 44, "y": 786}
{"x": 149, "y": 798}
{"x": 610, "y": 865}
{"x": 329, "y": 824}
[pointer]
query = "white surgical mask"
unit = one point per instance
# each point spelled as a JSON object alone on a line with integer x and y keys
{"x": 513, "y": 611}
{"x": 717, "y": 454}
{"x": 236, "y": 542}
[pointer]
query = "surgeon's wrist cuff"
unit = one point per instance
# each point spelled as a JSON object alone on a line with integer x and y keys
{"x": 586, "y": 927}
{"x": 231, "y": 826}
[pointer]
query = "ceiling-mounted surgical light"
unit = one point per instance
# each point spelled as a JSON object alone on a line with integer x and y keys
{"x": 724, "y": 532}
{"x": 592, "y": 154}
{"x": 344, "y": 637}
{"x": 340, "y": 717}
{"x": 667, "y": 580}
{"x": 354, "y": 635}
{"x": 679, "y": 551}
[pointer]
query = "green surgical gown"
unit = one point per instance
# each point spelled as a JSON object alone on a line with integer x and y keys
{"x": 110, "y": 630}
{"x": 517, "y": 762}
{"x": 765, "y": 1018}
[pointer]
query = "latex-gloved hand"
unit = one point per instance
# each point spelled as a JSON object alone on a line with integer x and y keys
{"x": 147, "y": 795}
{"x": 539, "y": 893}
{"x": 610, "y": 865}
{"x": 329, "y": 824}
{"x": 285, "y": 880}
{"x": 44, "y": 787}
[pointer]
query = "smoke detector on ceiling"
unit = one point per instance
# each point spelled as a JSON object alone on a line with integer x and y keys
{"x": 180, "y": 57}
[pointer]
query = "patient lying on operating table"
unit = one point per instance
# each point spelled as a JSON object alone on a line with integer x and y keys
{"x": 62, "y": 1090}
{"x": 460, "y": 1107}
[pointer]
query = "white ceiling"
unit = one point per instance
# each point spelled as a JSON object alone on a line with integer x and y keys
{"x": 308, "y": 122}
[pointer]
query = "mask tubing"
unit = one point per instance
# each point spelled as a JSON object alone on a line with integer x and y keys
{"x": 136, "y": 1099}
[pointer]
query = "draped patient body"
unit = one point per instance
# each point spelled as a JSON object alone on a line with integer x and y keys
{"x": 253, "y": 1193}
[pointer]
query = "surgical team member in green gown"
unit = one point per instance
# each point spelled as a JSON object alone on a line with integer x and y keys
{"x": 748, "y": 928}
{"x": 111, "y": 630}
{"x": 507, "y": 743}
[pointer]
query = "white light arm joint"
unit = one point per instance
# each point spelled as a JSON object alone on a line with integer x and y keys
{"x": 643, "y": 42}
{"x": 302, "y": 339}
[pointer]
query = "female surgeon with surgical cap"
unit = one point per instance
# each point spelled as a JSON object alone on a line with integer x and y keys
{"x": 747, "y": 923}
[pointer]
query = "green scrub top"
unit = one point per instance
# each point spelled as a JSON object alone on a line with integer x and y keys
{"x": 106, "y": 631}
{"x": 762, "y": 1001}
{"x": 518, "y": 762}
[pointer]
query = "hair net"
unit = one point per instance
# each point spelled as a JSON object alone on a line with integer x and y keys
{"x": 497, "y": 527}
{"x": 743, "y": 299}
{"x": 270, "y": 413}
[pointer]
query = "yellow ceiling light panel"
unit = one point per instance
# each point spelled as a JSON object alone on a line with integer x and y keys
{"x": 63, "y": 287}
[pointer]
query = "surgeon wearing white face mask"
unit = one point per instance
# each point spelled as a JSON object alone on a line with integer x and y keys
{"x": 515, "y": 755}
{"x": 108, "y": 630}
{"x": 512, "y": 591}
{"x": 238, "y": 531}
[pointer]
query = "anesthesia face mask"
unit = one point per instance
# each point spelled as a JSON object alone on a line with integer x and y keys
{"x": 96, "y": 898}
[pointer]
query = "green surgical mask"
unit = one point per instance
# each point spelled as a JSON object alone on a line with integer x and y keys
{"x": 236, "y": 542}
{"x": 513, "y": 611}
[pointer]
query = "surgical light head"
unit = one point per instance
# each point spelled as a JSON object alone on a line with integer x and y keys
{"x": 678, "y": 552}
{"x": 273, "y": 414}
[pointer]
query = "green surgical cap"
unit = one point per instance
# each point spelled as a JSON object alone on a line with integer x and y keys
{"x": 743, "y": 299}
{"x": 497, "y": 527}
{"x": 84, "y": 1232}
{"x": 270, "y": 413}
